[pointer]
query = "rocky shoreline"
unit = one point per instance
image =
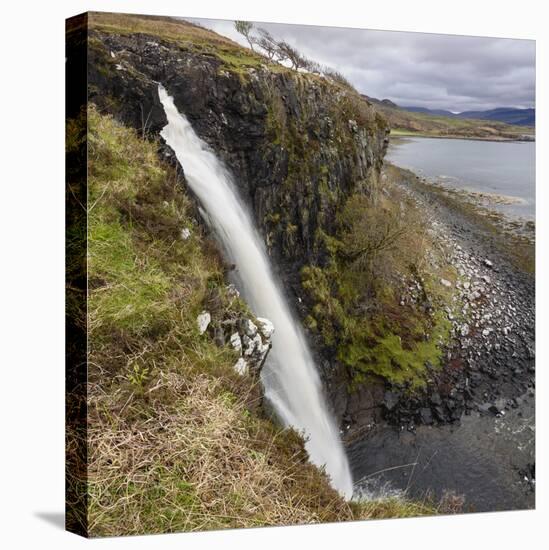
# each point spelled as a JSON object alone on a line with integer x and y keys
{"x": 484, "y": 391}
{"x": 489, "y": 368}
{"x": 490, "y": 363}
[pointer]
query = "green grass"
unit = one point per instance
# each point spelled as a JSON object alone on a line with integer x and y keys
{"x": 174, "y": 30}
{"x": 239, "y": 59}
{"x": 385, "y": 354}
{"x": 185, "y": 35}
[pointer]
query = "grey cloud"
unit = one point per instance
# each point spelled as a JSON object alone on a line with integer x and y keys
{"x": 438, "y": 71}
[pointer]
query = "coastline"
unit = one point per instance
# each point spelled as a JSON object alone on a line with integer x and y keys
{"x": 489, "y": 374}
{"x": 468, "y": 138}
{"x": 513, "y": 238}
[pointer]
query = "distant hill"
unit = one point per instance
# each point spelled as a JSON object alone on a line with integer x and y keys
{"x": 509, "y": 115}
{"x": 442, "y": 123}
{"x": 440, "y": 112}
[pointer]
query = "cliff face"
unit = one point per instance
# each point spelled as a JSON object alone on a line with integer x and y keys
{"x": 297, "y": 144}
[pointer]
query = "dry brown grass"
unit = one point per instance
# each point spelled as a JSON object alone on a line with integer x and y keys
{"x": 169, "y": 28}
{"x": 193, "y": 458}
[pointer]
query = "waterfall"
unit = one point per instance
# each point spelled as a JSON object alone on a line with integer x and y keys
{"x": 290, "y": 378}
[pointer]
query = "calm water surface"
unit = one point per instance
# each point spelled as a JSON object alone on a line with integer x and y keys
{"x": 501, "y": 168}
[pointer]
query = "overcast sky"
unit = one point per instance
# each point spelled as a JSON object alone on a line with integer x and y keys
{"x": 458, "y": 73}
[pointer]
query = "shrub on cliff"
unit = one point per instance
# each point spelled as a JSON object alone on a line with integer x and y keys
{"x": 379, "y": 251}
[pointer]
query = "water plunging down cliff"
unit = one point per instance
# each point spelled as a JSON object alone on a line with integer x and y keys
{"x": 290, "y": 377}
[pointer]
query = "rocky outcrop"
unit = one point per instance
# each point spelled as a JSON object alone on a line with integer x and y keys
{"x": 251, "y": 340}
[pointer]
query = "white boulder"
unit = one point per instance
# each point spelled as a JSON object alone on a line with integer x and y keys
{"x": 241, "y": 367}
{"x": 203, "y": 320}
{"x": 266, "y": 327}
{"x": 251, "y": 344}
{"x": 236, "y": 342}
{"x": 249, "y": 328}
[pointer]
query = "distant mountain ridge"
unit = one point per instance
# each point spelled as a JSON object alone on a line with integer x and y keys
{"x": 496, "y": 124}
{"x": 441, "y": 112}
{"x": 509, "y": 115}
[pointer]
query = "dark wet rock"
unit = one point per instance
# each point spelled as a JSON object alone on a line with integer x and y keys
{"x": 439, "y": 413}
{"x": 435, "y": 399}
{"x": 390, "y": 400}
{"x": 219, "y": 336}
{"x": 426, "y": 416}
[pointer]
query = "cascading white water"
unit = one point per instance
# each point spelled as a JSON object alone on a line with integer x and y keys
{"x": 289, "y": 377}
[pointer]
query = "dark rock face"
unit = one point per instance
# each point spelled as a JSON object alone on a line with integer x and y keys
{"x": 290, "y": 140}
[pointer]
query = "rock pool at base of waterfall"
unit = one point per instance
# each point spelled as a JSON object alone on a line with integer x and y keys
{"x": 486, "y": 460}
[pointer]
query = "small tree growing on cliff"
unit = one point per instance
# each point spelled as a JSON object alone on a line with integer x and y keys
{"x": 290, "y": 53}
{"x": 267, "y": 43}
{"x": 245, "y": 29}
{"x": 368, "y": 233}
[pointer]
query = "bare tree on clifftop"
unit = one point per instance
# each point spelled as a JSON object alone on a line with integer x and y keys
{"x": 290, "y": 53}
{"x": 268, "y": 44}
{"x": 245, "y": 29}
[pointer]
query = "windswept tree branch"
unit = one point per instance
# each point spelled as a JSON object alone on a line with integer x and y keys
{"x": 245, "y": 29}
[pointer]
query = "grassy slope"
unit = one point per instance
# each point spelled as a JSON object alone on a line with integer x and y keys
{"x": 177, "y": 439}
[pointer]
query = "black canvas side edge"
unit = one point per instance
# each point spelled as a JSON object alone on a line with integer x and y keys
{"x": 76, "y": 442}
